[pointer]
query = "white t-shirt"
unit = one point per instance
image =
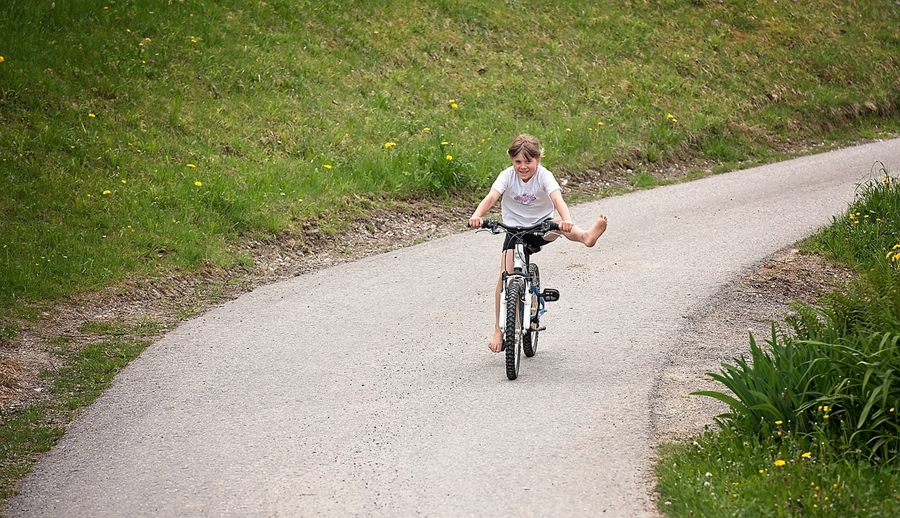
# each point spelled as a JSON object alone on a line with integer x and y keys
{"x": 526, "y": 203}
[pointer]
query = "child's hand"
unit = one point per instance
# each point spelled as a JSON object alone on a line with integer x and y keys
{"x": 565, "y": 225}
{"x": 475, "y": 222}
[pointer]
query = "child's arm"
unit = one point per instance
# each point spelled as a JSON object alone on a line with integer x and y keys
{"x": 566, "y": 219}
{"x": 476, "y": 220}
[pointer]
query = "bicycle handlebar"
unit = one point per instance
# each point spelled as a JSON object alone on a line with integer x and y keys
{"x": 543, "y": 226}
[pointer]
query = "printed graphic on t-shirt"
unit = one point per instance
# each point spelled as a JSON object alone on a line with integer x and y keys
{"x": 525, "y": 198}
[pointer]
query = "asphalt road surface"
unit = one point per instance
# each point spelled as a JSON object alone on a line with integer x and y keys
{"x": 368, "y": 389}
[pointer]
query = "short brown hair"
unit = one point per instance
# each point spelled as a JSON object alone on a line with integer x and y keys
{"x": 527, "y": 145}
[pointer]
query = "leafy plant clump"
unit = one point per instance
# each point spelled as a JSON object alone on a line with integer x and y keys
{"x": 833, "y": 379}
{"x": 813, "y": 425}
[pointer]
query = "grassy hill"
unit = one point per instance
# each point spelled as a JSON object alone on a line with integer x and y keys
{"x": 137, "y": 137}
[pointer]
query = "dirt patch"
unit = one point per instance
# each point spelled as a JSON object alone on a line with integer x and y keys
{"x": 719, "y": 330}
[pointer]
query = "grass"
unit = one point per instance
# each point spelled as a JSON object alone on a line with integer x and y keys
{"x": 817, "y": 406}
{"x": 162, "y": 134}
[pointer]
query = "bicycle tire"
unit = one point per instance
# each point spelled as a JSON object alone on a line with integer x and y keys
{"x": 515, "y": 307}
{"x": 530, "y": 340}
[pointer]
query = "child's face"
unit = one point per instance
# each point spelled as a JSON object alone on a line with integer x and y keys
{"x": 525, "y": 167}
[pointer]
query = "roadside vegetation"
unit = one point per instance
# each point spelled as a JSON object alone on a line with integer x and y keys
{"x": 813, "y": 427}
{"x": 144, "y": 139}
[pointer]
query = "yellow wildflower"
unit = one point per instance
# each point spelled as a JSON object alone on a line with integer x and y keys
{"x": 806, "y": 455}
{"x": 327, "y": 166}
{"x": 107, "y": 192}
{"x": 426, "y": 130}
{"x": 389, "y": 145}
{"x": 449, "y": 157}
{"x": 779, "y": 463}
{"x": 454, "y": 106}
{"x": 124, "y": 182}
{"x": 1, "y": 59}
{"x": 91, "y": 115}
{"x": 198, "y": 183}
{"x": 778, "y": 423}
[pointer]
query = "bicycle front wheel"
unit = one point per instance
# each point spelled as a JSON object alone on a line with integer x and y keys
{"x": 512, "y": 339}
{"x": 530, "y": 340}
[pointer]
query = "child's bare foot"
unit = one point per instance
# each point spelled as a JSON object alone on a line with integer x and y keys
{"x": 496, "y": 342}
{"x": 597, "y": 229}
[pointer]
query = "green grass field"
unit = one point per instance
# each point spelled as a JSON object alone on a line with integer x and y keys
{"x": 138, "y": 137}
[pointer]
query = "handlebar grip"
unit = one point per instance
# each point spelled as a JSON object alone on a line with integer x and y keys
{"x": 551, "y": 225}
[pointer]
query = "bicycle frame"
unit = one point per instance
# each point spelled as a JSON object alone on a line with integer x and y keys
{"x": 520, "y": 329}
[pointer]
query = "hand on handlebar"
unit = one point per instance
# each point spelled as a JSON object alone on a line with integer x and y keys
{"x": 475, "y": 222}
{"x": 564, "y": 225}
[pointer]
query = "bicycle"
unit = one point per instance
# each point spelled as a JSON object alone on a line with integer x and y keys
{"x": 515, "y": 286}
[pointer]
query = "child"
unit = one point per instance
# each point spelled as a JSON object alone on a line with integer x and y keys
{"x": 530, "y": 193}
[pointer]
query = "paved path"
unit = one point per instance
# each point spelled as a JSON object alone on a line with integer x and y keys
{"x": 368, "y": 390}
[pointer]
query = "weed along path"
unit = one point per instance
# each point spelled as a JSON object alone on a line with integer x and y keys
{"x": 368, "y": 389}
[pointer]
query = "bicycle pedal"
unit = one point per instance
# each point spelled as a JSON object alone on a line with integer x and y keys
{"x": 550, "y": 295}
{"x": 542, "y": 328}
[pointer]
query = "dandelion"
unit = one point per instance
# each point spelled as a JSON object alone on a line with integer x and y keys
{"x": 778, "y": 423}
{"x": 892, "y": 409}
{"x": 1, "y": 59}
{"x": 388, "y": 145}
{"x": 91, "y": 115}
{"x": 192, "y": 166}
{"x": 825, "y": 408}
{"x": 123, "y": 182}
{"x": 600, "y": 123}
{"x": 147, "y": 40}
{"x": 107, "y": 192}
{"x": 445, "y": 143}
{"x": 825, "y": 416}
{"x": 426, "y": 130}
{"x": 807, "y": 455}
{"x": 193, "y": 40}
{"x": 198, "y": 183}
{"x": 327, "y": 166}
{"x": 779, "y": 463}
{"x": 762, "y": 471}
{"x": 299, "y": 200}
{"x": 449, "y": 157}
{"x": 454, "y": 106}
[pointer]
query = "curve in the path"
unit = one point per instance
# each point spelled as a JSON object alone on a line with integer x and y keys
{"x": 367, "y": 389}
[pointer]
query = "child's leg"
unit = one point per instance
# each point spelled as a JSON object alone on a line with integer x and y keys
{"x": 590, "y": 236}
{"x": 496, "y": 341}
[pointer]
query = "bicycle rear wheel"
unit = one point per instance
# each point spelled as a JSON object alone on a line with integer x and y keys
{"x": 512, "y": 338}
{"x": 530, "y": 339}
